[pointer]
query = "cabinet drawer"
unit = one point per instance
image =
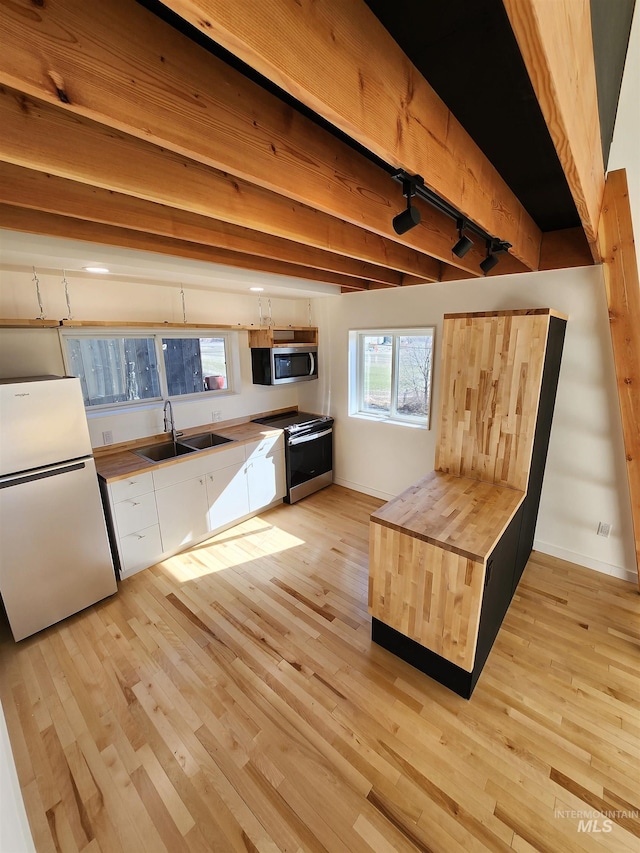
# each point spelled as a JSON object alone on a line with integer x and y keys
{"x": 140, "y": 550}
{"x": 225, "y": 458}
{"x": 135, "y": 513}
{"x": 265, "y": 446}
{"x": 187, "y": 468}
{"x": 131, "y": 487}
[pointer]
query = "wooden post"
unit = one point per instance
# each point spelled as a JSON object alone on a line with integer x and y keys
{"x": 620, "y": 267}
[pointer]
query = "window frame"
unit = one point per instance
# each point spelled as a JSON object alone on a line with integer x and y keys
{"x": 357, "y": 383}
{"x": 157, "y": 334}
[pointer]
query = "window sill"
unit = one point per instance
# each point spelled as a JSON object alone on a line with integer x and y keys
{"x": 386, "y": 419}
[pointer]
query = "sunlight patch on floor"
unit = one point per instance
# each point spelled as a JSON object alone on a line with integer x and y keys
{"x": 232, "y": 548}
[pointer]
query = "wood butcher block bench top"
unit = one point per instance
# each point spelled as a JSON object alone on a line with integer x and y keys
{"x": 458, "y": 514}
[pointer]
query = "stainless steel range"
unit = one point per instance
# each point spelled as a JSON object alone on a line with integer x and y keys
{"x": 308, "y": 451}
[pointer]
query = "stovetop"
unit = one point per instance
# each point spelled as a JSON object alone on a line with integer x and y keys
{"x": 295, "y": 421}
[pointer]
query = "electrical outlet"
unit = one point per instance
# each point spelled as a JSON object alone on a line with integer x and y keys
{"x": 604, "y": 529}
{"x": 217, "y": 416}
{"x": 107, "y": 436}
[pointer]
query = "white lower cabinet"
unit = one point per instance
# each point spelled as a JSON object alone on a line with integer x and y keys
{"x": 182, "y": 512}
{"x": 160, "y": 512}
{"x": 265, "y": 479}
{"x": 227, "y": 496}
{"x": 133, "y": 528}
{"x": 139, "y": 550}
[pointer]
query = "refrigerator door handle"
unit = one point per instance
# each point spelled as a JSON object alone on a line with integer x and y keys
{"x": 39, "y": 474}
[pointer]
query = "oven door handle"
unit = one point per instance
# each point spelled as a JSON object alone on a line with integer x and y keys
{"x": 314, "y": 435}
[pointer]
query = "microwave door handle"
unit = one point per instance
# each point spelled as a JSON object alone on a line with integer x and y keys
{"x": 313, "y": 364}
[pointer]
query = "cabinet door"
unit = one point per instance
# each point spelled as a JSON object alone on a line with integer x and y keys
{"x": 227, "y": 496}
{"x": 266, "y": 479}
{"x": 182, "y": 511}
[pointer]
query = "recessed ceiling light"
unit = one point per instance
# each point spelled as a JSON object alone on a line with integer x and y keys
{"x": 256, "y": 288}
{"x": 96, "y": 269}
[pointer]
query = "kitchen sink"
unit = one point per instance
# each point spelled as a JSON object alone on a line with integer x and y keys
{"x": 160, "y": 452}
{"x": 207, "y": 439}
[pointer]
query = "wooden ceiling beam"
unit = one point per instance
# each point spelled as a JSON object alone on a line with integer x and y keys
{"x": 39, "y": 191}
{"x": 556, "y": 45}
{"x": 38, "y": 222}
{"x": 75, "y": 148}
{"x": 620, "y": 267}
{"x": 118, "y": 64}
{"x": 362, "y": 83}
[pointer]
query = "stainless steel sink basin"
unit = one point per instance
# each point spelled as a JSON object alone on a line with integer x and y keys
{"x": 207, "y": 439}
{"x": 160, "y": 452}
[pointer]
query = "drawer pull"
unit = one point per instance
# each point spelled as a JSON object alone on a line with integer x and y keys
{"x": 141, "y": 536}
{"x": 134, "y": 503}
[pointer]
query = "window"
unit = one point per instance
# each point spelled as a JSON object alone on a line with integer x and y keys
{"x": 133, "y": 367}
{"x": 195, "y": 364}
{"x": 390, "y": 374}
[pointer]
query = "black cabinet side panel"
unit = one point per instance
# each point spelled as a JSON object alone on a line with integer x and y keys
{"x": 423, "y": 659}
{"x": 498, "y": 591}
{"x": 553, "y": 356}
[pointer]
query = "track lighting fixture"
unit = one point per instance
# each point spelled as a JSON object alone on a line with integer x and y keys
{"x": 410, "y": 217}
{"x": 489, "y": 262}
{"x": 464, "y": 243}
{"x": 413, "y": 185}
{"x": 494, "y": 247}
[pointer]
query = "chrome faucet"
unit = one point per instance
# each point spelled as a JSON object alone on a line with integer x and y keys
{"x": 169, "y": 423}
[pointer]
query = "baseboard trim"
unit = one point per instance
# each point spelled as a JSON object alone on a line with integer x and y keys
{"x": 587, "y": 562}
{"x": 365, "y": 490}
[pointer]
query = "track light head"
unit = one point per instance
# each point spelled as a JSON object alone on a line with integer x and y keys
{"x": 464, "y": 243}
{"x": 489, "y": 263}
{"x": 462, "y": 246}
{"x": 406, "y": 220}
{"x": 410, "y": 217}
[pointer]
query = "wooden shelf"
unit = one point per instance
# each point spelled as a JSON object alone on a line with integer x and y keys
{"x": 29, "y": 324}
{"x": 160, "y": 324}
{"x": 283, "y": 336}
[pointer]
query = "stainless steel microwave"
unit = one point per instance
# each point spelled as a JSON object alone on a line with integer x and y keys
{"x": 277, "y": 365}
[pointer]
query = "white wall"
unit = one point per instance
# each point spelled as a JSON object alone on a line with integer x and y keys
{"x": 625, "y": 146}
{"x": 585, "y": 478}
{"x": 37, "y": 351}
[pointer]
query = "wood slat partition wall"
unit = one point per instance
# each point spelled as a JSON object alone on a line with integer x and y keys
{"x": 429, "y": 594}
{"x": 437, "y": 546}
{"x": 490, "y": 388}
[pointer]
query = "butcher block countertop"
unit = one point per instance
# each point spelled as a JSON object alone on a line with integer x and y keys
{"x": 458, "y": 514}
{"x": 117, "y": 462}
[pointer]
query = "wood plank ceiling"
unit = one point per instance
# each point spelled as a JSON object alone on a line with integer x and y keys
{"x": 141, "y": 126}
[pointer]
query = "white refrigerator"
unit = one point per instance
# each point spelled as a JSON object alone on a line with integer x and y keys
{"x": 54, "y": 552}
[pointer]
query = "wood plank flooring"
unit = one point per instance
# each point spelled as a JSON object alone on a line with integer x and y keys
{"x": 230, "y": 699}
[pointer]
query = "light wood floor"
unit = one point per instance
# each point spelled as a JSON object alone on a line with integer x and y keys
{"x": 230, "y": 699}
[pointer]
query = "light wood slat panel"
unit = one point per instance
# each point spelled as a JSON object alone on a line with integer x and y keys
{"x": 430, "y": 595}
{"x": 305, "y": 733}
{"x": 361, "y": 82}
{"x": 456, "y": 513}
{"x": 556, "y": 44}
{"x": 39, "y": 191}
{"x": 38, "y": 222}
{"x": 120, "y": 65}
{"x": 78, "y": 149}
{"x": 620, "y": 267}
{"x": 491, "y": 379}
